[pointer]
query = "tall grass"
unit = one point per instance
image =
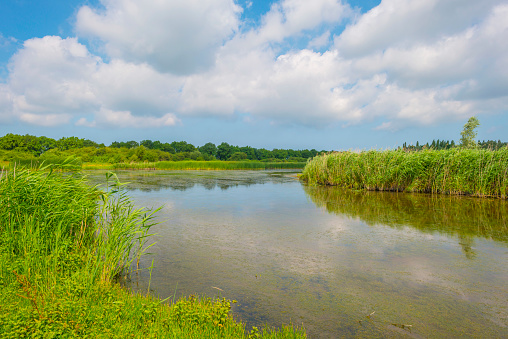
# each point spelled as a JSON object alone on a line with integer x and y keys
{"x": 456, "y": 171}
{"x": 210, "y": 165}
{"x": 64, "y": 163}
{"x": 63, "y": 243}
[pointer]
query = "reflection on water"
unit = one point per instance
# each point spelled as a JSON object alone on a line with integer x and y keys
{"x": 327, "y": 258}
{"x": 463, "y": 217}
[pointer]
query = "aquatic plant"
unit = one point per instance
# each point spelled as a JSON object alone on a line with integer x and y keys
{"x": 210, "y": 165}
{"x": 475, "y": 172}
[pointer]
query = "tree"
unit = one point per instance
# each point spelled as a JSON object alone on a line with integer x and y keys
{"x": 147, "y": 144}
{"x": 209, "y": 149}
{"x": 468, "y": 134}
{"x": 224, "y": 151}
{"x": 237, "y": 156}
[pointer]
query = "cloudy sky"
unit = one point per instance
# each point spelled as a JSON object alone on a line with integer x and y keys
{"x": 324, "y": 74}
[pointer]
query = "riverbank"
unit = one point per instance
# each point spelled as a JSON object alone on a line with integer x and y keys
{"x": 474, "y": 172}
{"x": 77, "y": 164}
{"x": 199, "y": 165}
{"x": 64, "y": 243}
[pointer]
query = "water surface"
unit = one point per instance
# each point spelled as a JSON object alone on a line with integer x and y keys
{"x": 327, "y": 258}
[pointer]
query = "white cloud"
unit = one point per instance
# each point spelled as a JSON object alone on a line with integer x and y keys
{"x": 180, "y": 37}
{"x": 320, "y": 41}
{"x": 45, "y": 119}
{"x": 399, "y": 23}
{"x": 6, "y": 41}
{"x": 403, "y": 63}
{"x": 54, "y": 79}
{"x": 5, "y": 103}
{"x": 422, "y": 81}
{"x": 289, "y": 18}
{"x": 138, "y": 88}
{"x": 110, "y": 118}
{"x": 50, "y": 76}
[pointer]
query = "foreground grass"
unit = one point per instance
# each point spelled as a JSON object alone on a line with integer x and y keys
{"x": 62, "y": 245}
{"x": 456, "y": 171}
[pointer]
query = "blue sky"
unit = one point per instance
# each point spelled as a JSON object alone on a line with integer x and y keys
{"x": 324, "y": 74}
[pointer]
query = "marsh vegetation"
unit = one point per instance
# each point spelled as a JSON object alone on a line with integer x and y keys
{"x": 64, "y": 244}
{"x": 464, "y": 171}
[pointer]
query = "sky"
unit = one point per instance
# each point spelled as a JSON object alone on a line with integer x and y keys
{"x": 323, "y": 74}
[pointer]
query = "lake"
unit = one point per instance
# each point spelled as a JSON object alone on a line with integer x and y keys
{"x": 341, "y": 263}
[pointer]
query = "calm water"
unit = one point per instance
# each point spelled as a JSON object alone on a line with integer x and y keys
{"x": 327, "y": 258}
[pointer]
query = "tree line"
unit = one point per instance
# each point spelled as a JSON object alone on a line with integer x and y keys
{"x": 467, "y": 140}
{"x": 21, "y": 146}
{"x": 447, "y": 144}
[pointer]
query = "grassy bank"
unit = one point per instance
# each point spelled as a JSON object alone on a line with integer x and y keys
{"x": 455, "y": 171}
{"x": 62, "y": 246}
{"x": 199, "y": 165}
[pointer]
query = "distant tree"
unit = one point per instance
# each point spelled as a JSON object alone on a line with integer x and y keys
{"x": 182, "y": 146}
{"x": 468, "y": 134}
{"x": 196, "y": 155}
{"x": 147, "y": 143}
{"x": 69, "y": 143}
{"x": 131, "y": 144}
{"x": 224, "y": 151}
{"x": 237, "y": 156}
{"x": 209, "y": 149}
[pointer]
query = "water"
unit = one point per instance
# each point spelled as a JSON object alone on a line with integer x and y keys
{"x": 340, "y": 263}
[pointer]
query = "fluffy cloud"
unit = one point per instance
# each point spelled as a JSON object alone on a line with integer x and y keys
{"x": 5, "y": 103}
{"x": 416, "y": 82}
{"x": 180, "y": 37}
{"x": 399, "y": 23}
{"x": 109, "y": 118}
{"x": 54, "y": 80}
{"x": 49, "y": 77}
{"x": 402, "y": 63}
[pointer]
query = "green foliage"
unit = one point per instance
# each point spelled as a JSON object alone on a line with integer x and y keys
{"x": 224, "y": 151}
{"x": 209, "y": 149}
{"x": 27, "y": 149}
{"x": 238, "y": 156}
{"x": 468, "y": 134}
{"x": 455, "y": 171}
{"x": 62, "y": 244}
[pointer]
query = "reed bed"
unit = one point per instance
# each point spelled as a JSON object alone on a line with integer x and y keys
{"x": 64, "y": 243}
{"x": 210, "y": 165}
{"x": 475, "y": 172}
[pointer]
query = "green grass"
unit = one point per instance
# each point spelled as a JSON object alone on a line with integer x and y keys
{"x": 473, "y": 172}
{"x": 64, "y": 163}
{"x": 206, "y": 165}
{"x": 73, "y": 163}
{"x": 63, "y": 243}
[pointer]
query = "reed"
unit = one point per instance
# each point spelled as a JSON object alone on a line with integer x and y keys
{"x": 475, "y": 172}
{"x": 199, "y": 165}
{"x": 63, "y": 163}
{"x": 63, "y": 243}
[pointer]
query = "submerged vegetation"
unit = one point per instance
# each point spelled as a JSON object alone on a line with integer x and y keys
{"x": 63, "y": 244}
{"x": 467, "y": 171}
